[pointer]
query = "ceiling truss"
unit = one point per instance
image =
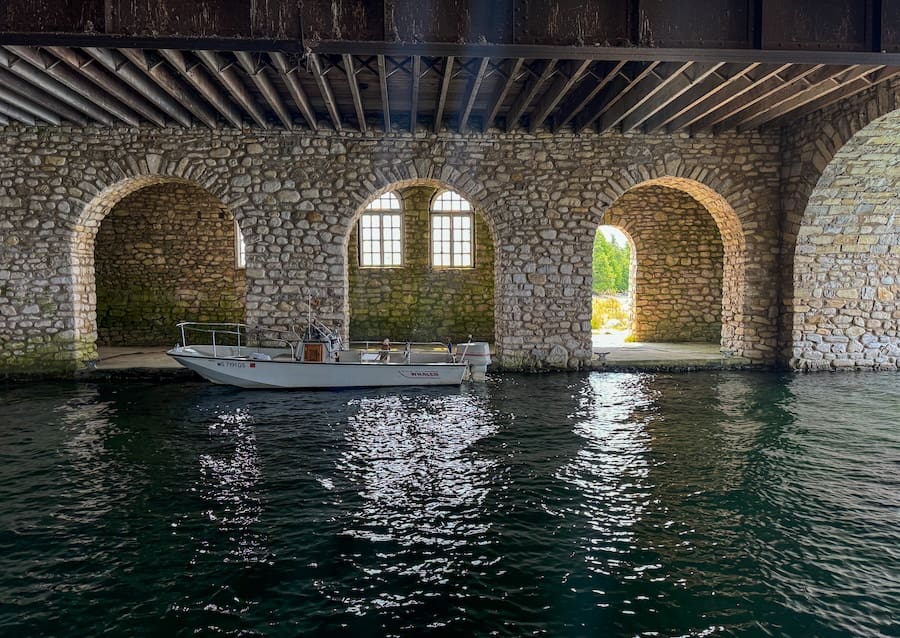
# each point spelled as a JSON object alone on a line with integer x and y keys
{"x": 56, "y": 85}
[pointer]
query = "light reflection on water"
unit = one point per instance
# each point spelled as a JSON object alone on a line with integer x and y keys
{"x": 569, "y": 505}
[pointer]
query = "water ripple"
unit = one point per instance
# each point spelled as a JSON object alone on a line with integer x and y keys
{"x": 567, "y": 505}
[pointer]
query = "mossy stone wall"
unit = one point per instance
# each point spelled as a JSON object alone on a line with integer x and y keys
{"x": 165, "y": 254}
{"x": 417, "y": 302}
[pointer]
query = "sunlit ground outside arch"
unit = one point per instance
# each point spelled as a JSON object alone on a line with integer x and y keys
{"x": 612, "y": 299}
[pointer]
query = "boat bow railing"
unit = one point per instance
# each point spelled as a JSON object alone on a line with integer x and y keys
{"x": 239, "y": 338}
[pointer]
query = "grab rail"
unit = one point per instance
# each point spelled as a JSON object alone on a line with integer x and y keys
{"x": 241, "y": 332}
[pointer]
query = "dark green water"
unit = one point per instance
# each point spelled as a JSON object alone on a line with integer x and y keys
{"x": 562, "y": 505}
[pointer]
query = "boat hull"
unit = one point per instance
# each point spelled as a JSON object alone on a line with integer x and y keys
{"x": 248, "y": 373}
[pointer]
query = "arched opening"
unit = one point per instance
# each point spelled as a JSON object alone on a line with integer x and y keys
{"x": 614, "y": 270}
{"x": 149, "y": 252}
{"x": 420, "y": 266}
{"x": 689, "y": 262}
{"x": 845, "y": 311}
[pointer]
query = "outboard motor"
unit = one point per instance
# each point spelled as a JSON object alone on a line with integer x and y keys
{"x": 478, "y": 355}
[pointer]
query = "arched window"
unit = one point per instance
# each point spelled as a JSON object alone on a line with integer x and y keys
{"x": 452, "y": 231}
{"x": 381, "y": 233}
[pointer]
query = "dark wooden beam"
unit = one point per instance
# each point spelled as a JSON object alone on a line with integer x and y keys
{"x": 471, "y": 93}
{"x": 564, "y": 81}
{"x": 114, "y": 62}
{"x": 257, "y": 74}
{"x": 112, "y": 85}
{"x": 31, "y": 107}
{"x": 90, "y": 95}
{"x": 288, "y": 73}
{"x": 442, "y": 93}
{"x": 614, "y": 93}
{"x": 661, "y": 77}
{"x": 738, "y": 86}
{"x": 717, "y": 82}
{"x": 792, "y": 77}
{"x": 39, "y": 96}
{"x": 350, "y": 70}
{"x": 587, "y": 91}
{"x": 677, "y": 86}
{"x": 163, "y": 78}
{"x": 789, "y": 100}
{"x": 385, "y": 103}
{"x": 639, "y": 54}
{"x": 414, "y": 93}
{"x": 235, "y": 89}
{"x": 15, "y": 112}
{"x": 527, "y": 94}
{"x": 318, "y": 73}
{"x": 514, "y": 67}
{"x": 200, "y": 80}
{"x": 853, "y": 88}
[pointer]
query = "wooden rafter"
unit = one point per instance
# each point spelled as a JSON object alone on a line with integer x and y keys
{"x": 471, "y": 93}
{"x": 446, "y": 76}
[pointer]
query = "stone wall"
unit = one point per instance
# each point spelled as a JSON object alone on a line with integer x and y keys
{"x": 841, "y": 236}
{"x": 297, "y": 196}
{"x": 678, "y": 250}
{"x": 417, "y": 302}
{"x": 164, "y": 254}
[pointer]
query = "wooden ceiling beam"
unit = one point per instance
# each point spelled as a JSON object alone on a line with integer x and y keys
{"x": 587, "y": 91}
{"x": 446, "y": 76}
{"x": 471, "y": 93}
{"x": 679, "y": 84}
{"x": 81, "y": 94}
{"x": 257, "y": 74}
{"x": 353, "y": 84}
{"x": 203, "y": 84}
{"x": 224, "y": 72}
{"x": 38, "y": 96}
{"x": 116, "y": 63}
{"x": 288, "y": 74}
{"x": 853, "y": 88}
{"x": 791, "y": 79}
{"x": 738, "y": 86}
{"x": 717, "y": 82}
{"x": 614, "y": 93}
{"x": 789, "y": 100}
{"x": 385, "y": 97}
{"x": 515, "y": 66}
{"x": 561, "y": 86}
{"x": 318, "y": 73}
{"x": 28, "y": 106}
{"x": 112, "y": 85}
{"x": 639, "y": 95}
{"x": 16, "y": 113}
{"x": 414, "y": 93}
{"x": 523, "y": 100}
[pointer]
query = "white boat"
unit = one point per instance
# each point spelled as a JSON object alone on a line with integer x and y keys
{"x": 235, "y": 354}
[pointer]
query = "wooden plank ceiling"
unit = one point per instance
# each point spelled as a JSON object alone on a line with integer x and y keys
{"x": 647, "y": 66}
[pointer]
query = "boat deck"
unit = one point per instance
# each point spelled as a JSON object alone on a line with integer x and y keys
{"x": 611, "y": 356}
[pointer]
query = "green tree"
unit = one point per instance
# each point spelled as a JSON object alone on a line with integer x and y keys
{"x": 611, "y": 264}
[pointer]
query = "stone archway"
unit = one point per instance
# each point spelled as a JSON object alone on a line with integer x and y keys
{"x": 85, "y": 234}
{"x": 692, "y": 248}
{"x": 843, "y": 307}
{"x": 459, "y": 298}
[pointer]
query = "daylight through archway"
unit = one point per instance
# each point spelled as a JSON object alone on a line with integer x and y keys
{"x": 688, "y": 252}
{"x": 613, "y": 272}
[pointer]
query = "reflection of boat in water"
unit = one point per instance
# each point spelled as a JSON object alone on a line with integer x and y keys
{"x": 235, "y": 354}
